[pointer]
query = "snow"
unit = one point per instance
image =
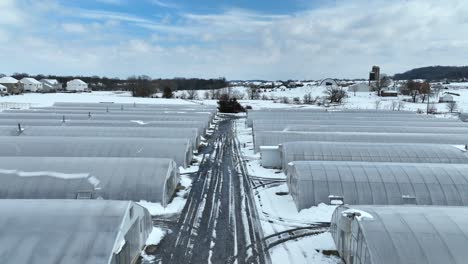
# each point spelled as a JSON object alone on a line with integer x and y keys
{"x": 156, "y": 235}
{"x": 303, "y": 250}
{"x": 46, "y": 173}
{"x": 359, "y": 214}
{"x": 8, "y": 80}
{"x": 43, "y": 100}
{"x": 175, "y": 206}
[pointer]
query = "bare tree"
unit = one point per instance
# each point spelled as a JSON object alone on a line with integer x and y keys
{"x": 377, "y": 104}
{"x": 394, "y": 105}
{"x": 206, "y": 95}
{"x": 354, "y": 89}
{"x": 253, "y": 93}
{"x": 265, "y": 97}
{"x": 183, "y": 95}
{"x": 335, "y": 94}
{"x": 401, "y": 105}
{"x": 452, "y": 106}
{"x": 308, "y": 99}
{"x": 192, "y": 94}
{"x": 237, "y": 94}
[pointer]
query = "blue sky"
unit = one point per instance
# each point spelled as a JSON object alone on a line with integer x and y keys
{"x": 290, "y": 39}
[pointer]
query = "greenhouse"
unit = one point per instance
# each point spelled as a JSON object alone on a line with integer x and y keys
{"x": 274, "y": 138}
{"x": 199, "y": 125}
{"x": 135, "y": 179}
{"x": 179, "y": 150}
{"x": 88, "y": 131}
{"x": 401, "y": 234}
{"x": 371, "y": 152}
{"x": 330, "y": 182}
{"x": 272, "y": 125}
{"x": 72, "y": 231}
{"x": 169, "y": 117}
{"x": 129, "y": 105}
{"x": 371, "y": 129}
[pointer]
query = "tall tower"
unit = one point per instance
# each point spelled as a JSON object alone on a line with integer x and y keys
{"x": 376, "y": 71}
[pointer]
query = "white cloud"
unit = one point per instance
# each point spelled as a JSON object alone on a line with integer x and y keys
{"x": 341, "y": 40}
{"x": 74, "y": 28}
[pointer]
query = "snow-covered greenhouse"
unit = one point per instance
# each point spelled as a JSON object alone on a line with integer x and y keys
{"x": 135, "y": 179}
{"x": 370, "y": 152}
{"x": 275, "y": 138}
{"x": 89, "y": 131}
{"x": 360, "y": 129}
{"x": 179, "y": 150}
{"x": 338, "y": 182}
{"x": 401, "y": 234}
{"x": 199, "y": 125}
{"x": 72, "y": 231}
{"x": 86, "y": 116}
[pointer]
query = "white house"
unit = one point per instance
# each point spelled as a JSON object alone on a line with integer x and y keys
{"x": 31, "y": 84}
{"x": 13, "y": 85}
{"x": 77, "y": 85}
{"x": 50, "y": 85}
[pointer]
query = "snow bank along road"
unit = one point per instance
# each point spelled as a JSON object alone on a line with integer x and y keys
{"x": 219, "y": 223}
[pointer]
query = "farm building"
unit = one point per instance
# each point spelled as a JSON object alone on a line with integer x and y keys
{"x": 313, "y": 182}
{"x": 401, "y": 234}
{"x": 200, "y": 126}
{"x": 134, "y": 179}
{"x": 31, "y": 85}
{"x": 72, "y": 231}
{"x": 275, "y": 138}
{"x": 50, "y": 85}
{"x": 359, "y": 88}
{"x": 77, "y": 85}
{"x": 446, "y": 98}
{"x": 179, "y": 150}
{"x": 88, "y": 131}
{"x": 13, "y": 86}
{"x": 370, "y": 152}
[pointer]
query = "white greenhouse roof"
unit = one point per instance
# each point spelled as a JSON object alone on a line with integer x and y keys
{"x": 30, "y": 80}
{"x": 179, "y": 150}
{"x": 313, "y": 182}
{"x": 8, "y": 80}
{"x": 402, "y": 234}
{"x": 63, "y": 231}
{"x": 135, "y": 179}
{"x": 371, "y": 152}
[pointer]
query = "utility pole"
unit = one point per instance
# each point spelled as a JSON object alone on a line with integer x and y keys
{"x": 428, "y": 98}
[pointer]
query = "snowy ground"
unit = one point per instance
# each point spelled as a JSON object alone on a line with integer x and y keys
{"x": 278, "y": 212}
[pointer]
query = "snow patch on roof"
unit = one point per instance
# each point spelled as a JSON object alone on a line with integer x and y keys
{"x": 358, "y": 214}
{"x": 46, "y": 173}
{"x": 30, "y": 81}
{"x": 8, "y": 80}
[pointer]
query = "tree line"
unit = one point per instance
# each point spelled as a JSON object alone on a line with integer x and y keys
{"x": 141, "y": 86}
{"x": 435, "y": 73}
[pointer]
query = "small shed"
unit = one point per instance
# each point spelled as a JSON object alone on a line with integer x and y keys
{"x": 77, "y": 85}
{"x": 401, "y": 234}
{"x": 134, "y": 179}
{"x": 31, "y": 84}
{"x": 447, "y": 98}
{"x": 72, "y": 231}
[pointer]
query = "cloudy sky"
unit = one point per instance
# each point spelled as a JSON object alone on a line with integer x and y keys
{"x": 239, "y": 39}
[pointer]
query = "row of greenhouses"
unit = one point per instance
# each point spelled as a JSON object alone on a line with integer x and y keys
{"x": 54, "y": 159}
{"x": 399, "y": 179}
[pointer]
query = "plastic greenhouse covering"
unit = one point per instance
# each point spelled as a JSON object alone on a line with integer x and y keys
{"x": 199, "y": 125}
{"x": 170, "y": 117}
{"x": 104, "y": 112}
{"x": 371, "y": 152}
{"x": 180, "y": 150}
{"x": 371, "y": 129}
{"x": 274, "y": 138}
{"x": 401, "y": 234}
{"x": 72, "y": 231}
{"x": 313, "y": 182}
{"x": 305, "y": 116}
{"x": 88, "y": 131}
{"x": 134, "y": 105}
{"x": 280, "y": 124}
{"x": 135, "y": 179}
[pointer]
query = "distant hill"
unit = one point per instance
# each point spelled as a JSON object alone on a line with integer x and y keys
{"x": 435, "y": 73}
